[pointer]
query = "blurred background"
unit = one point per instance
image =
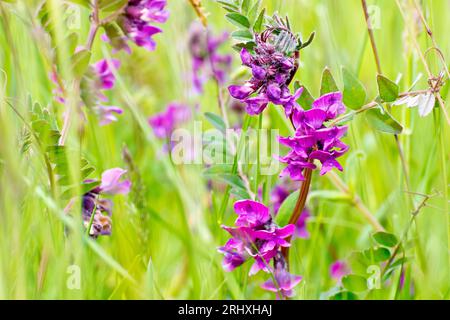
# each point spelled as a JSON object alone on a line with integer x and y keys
{"x": 166, "y": 231}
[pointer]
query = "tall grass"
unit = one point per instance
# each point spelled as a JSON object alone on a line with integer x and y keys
{"x": 165, "y": 233}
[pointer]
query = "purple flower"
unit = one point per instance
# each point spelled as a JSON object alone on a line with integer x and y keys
{"x": 271, "y": 73}
{"x": 101, "y": 223}
{"x": 111, "y": 183}
{"x": 136, "y": 24}
{"x": 165, "y": 122}
{"x": 104, "y": 72}
{"x": 207, "y": 62}
{"x": 106, "y": 114}
{"x": 313, "y": 139}
{"x": 338, "y": 270}
{"x": 104, "y": 77}
{"x": 284, "y": 282}
{"x": 300, "y": 227}
{"x": 255, "y": 236}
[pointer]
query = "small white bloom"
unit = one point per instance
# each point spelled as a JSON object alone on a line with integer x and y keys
{"x": 424, "y": 102}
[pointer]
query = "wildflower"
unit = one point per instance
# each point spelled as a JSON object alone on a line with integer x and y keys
{"x": 137, "y": 24}
{"x": 271, "y": 73}
{"x": 111, "y": 184}
{"x": 313, "y": 140}
{"x": 104, "y": 79}
{"x": 424, "y": 103}
{"x": 284, "y": 282}
{"x": 338, "y": 270}
{"x": 255, "y": 237}
{"x": 165, "y": 122}
{"x": 207, "y": 62}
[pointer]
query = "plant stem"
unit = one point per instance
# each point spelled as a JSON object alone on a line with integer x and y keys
{"x": 378, "y": 64}
{"x": 89, "y": 42}
{"x": 371, "y": 36}
{"x": 299, "y": 206}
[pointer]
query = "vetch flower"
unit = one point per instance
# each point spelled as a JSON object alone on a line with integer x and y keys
{"x": 136, "y": 22}
{"x": 207, "y": 62}
{"x": 104, "y": 79}
{"x": 424, "y": 103}
{"x": 313, "y": 139}
{"x": 339, "y": 269}
{"x": 255, "y": 237}
{"x": 271, "y": 73}
{"x": 284, "y": 281}
{"x": 165, "y": 122}
{"x": 97, "y": 212}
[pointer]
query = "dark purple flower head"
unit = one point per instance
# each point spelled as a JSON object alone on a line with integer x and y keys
{"x": 313, "y": 139}
{"x": 165, "y": 122}
{"x": 110, "y": 184}
{"x": 137, "y": 21}
{"x": 272, "y": 72}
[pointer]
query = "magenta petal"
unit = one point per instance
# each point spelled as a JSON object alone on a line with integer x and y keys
{"x": 110, "y": 182}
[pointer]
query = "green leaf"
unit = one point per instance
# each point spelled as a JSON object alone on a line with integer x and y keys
{"x": 245, "y": 6}
{"x": 229, "y": 5}
{"x": 253, "y": 11}
{"x": 257, "y": 27}
{"x": 381, "y": 120}
{"x": 306, "y": 99}
{"x": 354, "y": 92}
{"x": 286, "y": 209}
{"x": 216, "y": 121}
{"x": 327, "y": 84}
{"x": 385, "y": 239}
{"x": 387, "y": 89}
{"x": 331, "y": 195}
{"x": 242, "y": 35}
{"x": 80, "y": 62}
{"x": 344, "y": 295}
{"x": 377, "y": 255}
{"x": 238, "y": 20}
{"x": 111, "y": 5}
{"x": 353, "y": 282}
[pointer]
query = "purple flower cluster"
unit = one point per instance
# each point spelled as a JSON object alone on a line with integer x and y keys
{"x": 111, "y": 184}
{"x": 313, "y": 140}
{"x": 257, "y": 237}
{"x": 272, "y": 72}
{"x": 105, "y": 80}
{"x": 207, "y": 62}
{"x": 136, "y": 23}
{"x": 165, "y": 122}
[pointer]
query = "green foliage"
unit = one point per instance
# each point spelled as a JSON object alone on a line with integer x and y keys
{"x": 328, "y": 84}
{"x": 382, "y": 121}
{"x": 387, "y": 89}
{"x": 354, "y": 91}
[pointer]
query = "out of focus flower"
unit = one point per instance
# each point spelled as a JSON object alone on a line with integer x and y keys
{"x": 207, "y": 62}
{"x": 284, "y": 282}
{"x": 96, "y": 212}
{"x": 104, "y": 79}
{"x": 165, "y": 122}
{"x": 137, "y": 21}
{"x": 271, "y": 73}
{"x": 313, "y": 139}
{"x": 339, "y": 269}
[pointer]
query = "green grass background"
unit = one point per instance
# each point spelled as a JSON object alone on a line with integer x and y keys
{"x": 164, "y": 243}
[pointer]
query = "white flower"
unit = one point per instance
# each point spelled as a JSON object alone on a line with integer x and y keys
{"x": 425, "y": 102}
